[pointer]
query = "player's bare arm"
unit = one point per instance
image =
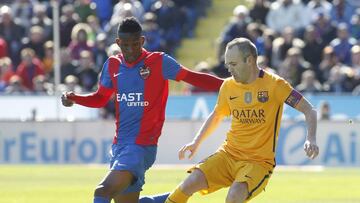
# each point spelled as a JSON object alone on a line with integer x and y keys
{"x": 211, "y": 123}
{"x": 310, "y": 146}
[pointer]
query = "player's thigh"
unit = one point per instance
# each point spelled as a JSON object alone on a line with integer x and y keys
{"x": 194, "y": 182}
{"x": 117, "y": 179}
{"x": 132, "y": 197}
{"x": 238, "y": 192}
{"x": 217, "y": 171}
{"x": 255, "y": 175}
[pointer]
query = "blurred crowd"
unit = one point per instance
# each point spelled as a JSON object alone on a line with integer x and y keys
{"x": 313, "y": 44}
{"x": 88, "y": 29}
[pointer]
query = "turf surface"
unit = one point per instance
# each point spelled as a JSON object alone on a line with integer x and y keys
{"x": 75, "y": 184}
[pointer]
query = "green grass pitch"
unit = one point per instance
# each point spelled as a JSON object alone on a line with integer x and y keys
{"x": 75, "y": 184}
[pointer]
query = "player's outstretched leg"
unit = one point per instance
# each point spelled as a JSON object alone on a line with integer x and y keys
{"x": 154, "y": 198}
{"x": 113, "y": 183}
{"x": 194, "y": 182}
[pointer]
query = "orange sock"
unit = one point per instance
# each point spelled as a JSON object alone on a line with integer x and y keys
{"x": 177, "y": 196}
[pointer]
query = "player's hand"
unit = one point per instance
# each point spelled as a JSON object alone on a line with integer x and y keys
{"x": 311, "y": 149}
{"x": 65, "y": 100}
{"x": 191, "y": 147}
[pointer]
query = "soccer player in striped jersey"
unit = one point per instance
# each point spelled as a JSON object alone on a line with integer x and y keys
{"x": 254, "y": 99}
{"x": 139, "y": 80}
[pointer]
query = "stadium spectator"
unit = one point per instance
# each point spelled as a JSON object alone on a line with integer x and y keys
{"x": 140, "y": 80}
{"x": 86, "y": 72}
{"x": 259, "y": 11}
{"x": 293, "y": 66}
{"x": 355, "y": 25}
{"x": 114, "y": 22}
{"x": 355, "y": 62}
{"x": 324, "y": 110}
{"x": 48, "y": 59}
{"x": 309, "y": 83}
{"x": 29, "y": 68}
{"x": 96, "y": 29}
{"x": 68, "y": 20}
{"x": 79, "y": 40}
{"x": 135, "y": 6}
{"x": 313, "y": 47}
{"x": 41, "y": 86}
{"x": 282, "y": 44}
{"x": 6, "y": 71}
{"x": 68, "y": 66}
{"x": 325, "y": 29}
{"x": 246, "y": 160}
{"x": 340, "y": 80}
{"x": 104, "y": 9}
{"x": 41, "y": 19}
{"x": 236, "y": 28}
{"x": 84, "y": 8}
{"x": 23, "y": 12}
{"x": 255, "y": 34}
{"x": 341, "y": 12}
{"x": 3, "y": 48}
{"x": 288, "y": 13}
{"x": 170, "y": 20}
{"x": 329, "y": 60}
{"x": 35, "y": 41}
{"x": 154, "y": 41}
{"x": 99, "y": 52}
{"x": 269, "y": 37}
{"x": 220, "y": 70}
{"x": 15, "y": 86}
{"x": 71, "y": 84}
{"x": 342, "y": 44}
{"x": 317, "y": 7}
{"x": 12, "y": 32}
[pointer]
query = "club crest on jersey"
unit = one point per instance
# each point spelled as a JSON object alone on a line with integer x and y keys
{"x": 248, "y": 97}
{"x": 144, "y": 72}
{"x": 263, "y": 96}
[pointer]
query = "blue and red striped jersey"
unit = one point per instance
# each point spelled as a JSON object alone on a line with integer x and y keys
{"x": 141, "y": 92}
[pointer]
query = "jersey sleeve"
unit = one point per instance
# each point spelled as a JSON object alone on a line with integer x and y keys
{"x": 284, "y": 92}
{"x": 170, "y": 67}
{"x": 105, "y": 77}
{"x": 222, "y": 106}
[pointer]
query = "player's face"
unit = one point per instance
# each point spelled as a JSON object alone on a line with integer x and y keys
{"x": 239, "y": 67}
{"x": 131, "y": 47}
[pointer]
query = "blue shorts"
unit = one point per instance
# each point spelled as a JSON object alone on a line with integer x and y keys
{"x": 134, "y": 158}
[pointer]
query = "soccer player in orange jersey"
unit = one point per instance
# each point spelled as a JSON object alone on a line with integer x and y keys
{"x": 254, "y": 99}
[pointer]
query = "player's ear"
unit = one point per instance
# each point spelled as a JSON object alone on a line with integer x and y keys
{"x": 249, "y": 60}
{"x": 118, "y": 41}
{"x": 142, "y": 40}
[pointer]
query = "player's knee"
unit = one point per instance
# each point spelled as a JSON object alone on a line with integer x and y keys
{"x": 195, "y": 182}
{"x": 235, "y": 198}
{"x": 237, "y": 194}
{"x": 104, "y": 191}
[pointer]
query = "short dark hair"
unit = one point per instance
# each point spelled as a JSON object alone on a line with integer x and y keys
{"x": 129, "y": 25}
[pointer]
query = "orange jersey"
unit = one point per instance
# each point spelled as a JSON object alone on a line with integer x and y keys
{"x": 255, "y": 111}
